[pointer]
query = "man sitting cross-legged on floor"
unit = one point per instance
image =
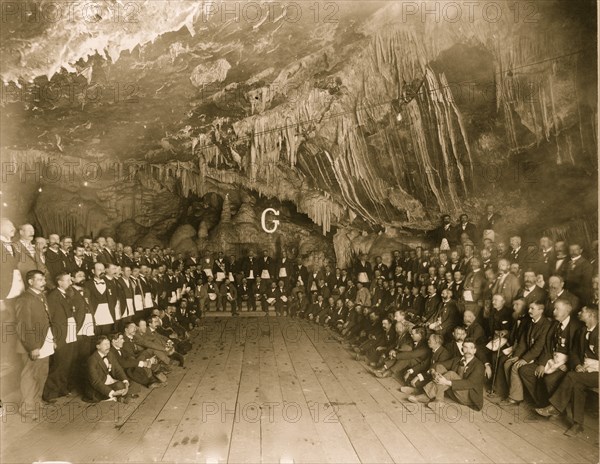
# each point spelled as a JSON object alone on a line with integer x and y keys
{"x": 406, "y": 359}
{"x": 138, "y": 371}
{"x": 463, "y": 378}
{"x": 106, "y": 378}
{"x": 419, "y": 375}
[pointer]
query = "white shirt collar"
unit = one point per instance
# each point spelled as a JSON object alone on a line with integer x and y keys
{"x": 565, "y": 323}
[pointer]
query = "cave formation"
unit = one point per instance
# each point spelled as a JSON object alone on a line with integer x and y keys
{"x": 173, "y": 125}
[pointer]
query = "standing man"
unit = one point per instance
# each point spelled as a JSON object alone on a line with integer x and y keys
{"x": 26, "y": 249}
{"x": 98, "y": 294}
{"x": 36, "y": 342}
{"x": 11, "y": 280}
{"x": 64, "y": 327}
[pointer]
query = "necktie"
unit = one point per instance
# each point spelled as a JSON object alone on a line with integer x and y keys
{"x": 106, "y": 362}
{"x": 461, "y": 367}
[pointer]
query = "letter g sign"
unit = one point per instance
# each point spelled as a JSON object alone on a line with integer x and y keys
{"x": 274, "y": 221}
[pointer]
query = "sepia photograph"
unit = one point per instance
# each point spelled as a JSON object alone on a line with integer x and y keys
{"x": 288, "y": 232}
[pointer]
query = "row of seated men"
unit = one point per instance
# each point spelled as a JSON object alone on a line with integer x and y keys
{"x": 554, "y": 360}
{"x": 63, "y": 351}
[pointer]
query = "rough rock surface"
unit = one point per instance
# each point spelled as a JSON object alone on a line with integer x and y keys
{"x": 363, "y": 117}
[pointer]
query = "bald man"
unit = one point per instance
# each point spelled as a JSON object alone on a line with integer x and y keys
{"x": 11, "y": 280}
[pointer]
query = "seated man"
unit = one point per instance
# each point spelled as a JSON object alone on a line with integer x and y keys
{"x": 572, "y": 388}
{"x": 542, "y": 378}
{"x": 228, "y": 294}
{"x": 106, "y": 379}
{"x": 419, "y": 375}
{"x": 383, "y": 344}
{"x": 463, "y": 378}
{"x": 403, "y": 360}
{"x": 529, "y": 349}
{"x": 132, "y": 349}
{"x": 138, "y": 371}
{"x": 162, "y": 346}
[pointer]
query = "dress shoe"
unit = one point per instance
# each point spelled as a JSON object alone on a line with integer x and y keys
{"x": 574, "y": 430}
{"x": 360, "y": 357}
{"x": 123, "y": 399}
{"x": 548, "y": 411}
{"x": 161, "y": 377}
{"x": 508, "y": 402}
{"x": 383, "y": 373}
{"x": 418, "y": 399}
{"x": 357, "y": 350}
{"x": 134, "y": 395}
{"x": 408, "y": 390}
{"x": 49, "y": 400}
{"x": 373, "y": 364}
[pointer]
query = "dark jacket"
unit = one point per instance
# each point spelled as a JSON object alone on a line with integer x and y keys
{"x": 473, "y": 380}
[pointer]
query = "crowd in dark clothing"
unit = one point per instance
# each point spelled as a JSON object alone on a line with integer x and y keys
{"x": 466, "y": 313}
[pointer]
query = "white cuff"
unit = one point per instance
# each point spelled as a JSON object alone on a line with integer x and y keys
{"x": 420, "y": 377}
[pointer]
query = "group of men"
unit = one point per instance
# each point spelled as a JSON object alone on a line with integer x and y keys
{"x": 83, "y": 324}
{"x": 443, "y": 320}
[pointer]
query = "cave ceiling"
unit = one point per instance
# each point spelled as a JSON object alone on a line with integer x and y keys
{"x": 347, "y": 109}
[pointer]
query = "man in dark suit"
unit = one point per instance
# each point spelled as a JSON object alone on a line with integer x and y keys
{"x": 529, "y": 349}
{"x": 432, "y": 303}
{"x": 506, "y": 284}
{"x": 64, "y": 327}
{"x": 556, "y": 291}
{"x": 517, "y": 253}
{"x": 36, "y": 341}
{"x": 79, "y": 262}
{"x": 84, "y": 318}
{"x": 545, "y": 257}
{"x": 445, "y": 233}
{"x": 572, "y": 389}
{"x": 41, "y": 247}
{"x": 578, "y": 278}
{"x": 106, "y": 378}
{"x": 104, "y": 317}
{"x": 245, "y": 293}
{"x": 491, "y": 218}
{"x": 284, "y": 269}
{"x": 26, "y": 249}
{"x": 402, "y": 360}
{"x": 250, "y": 268}
{"x": 138, "y": 370}
{"x": 301, "y": 275}
{"x": 558, "y": 264}
{"x": 105, "y": 254}
{"x": 11, "y": 280}
{"x": 531, "y": 292}
{"x": 419, "y": 375}
{"x": 58, "y": 257}
{"x": 466, "y": 227}
{"x": 447, "y": 317}
{"x": 228, "y": 294}
{"x": 472, "y": 295}
{"x": 542, "y": 377}
{"x": 462, "y": 378}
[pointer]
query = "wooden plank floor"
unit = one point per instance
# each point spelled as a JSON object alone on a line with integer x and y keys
{"x": 270, "y": 389}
